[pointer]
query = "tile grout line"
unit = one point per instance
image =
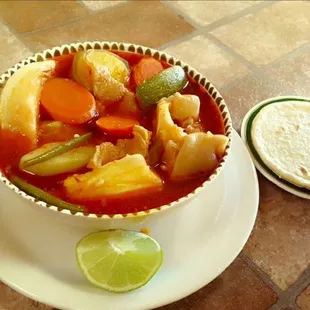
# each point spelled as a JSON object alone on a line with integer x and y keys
{"x": 180, "y": 13}
{"x": 231, "y": 52}
{"x": 297, "y": 288}
{"x": 181, "y": 39}
{"x": 204, "y": 30}
{"x": 17, "y": 36}
{"x": 72, "y": 20}
{"x": 222, "y": 21}
{"x": 262, "y": 275}
{"x": 290, "y": 55}
{"x": 261, "y": 71}
{"x": 285, "y": 298}
{"x": 231, "y": 18}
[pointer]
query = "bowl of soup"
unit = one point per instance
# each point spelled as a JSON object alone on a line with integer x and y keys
{"x": 106, "y": 130}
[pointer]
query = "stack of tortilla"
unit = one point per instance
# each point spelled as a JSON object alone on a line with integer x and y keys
{"x": 281, "y": 136}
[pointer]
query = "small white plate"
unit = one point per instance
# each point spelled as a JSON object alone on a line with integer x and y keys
{"x": 199, "y": 242}
{"x": 261, "y": 167}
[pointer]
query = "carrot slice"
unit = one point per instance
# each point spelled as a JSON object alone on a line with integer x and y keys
{"x": 68, "y": 101}
{"x": 145, "y": 69}
{"x": 117, "y": 125}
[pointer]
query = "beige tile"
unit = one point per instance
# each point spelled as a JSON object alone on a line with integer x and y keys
{"x": 237, "y": 288}
{"x": 99, "y": 5}
{"x": 207, "y": 12}
{"x": 293, "y": 74}
{"x": 11, "y": 300}
{"x": 203, "y": 55}
{"x": 12, "y": 50}
{"x": 279, "y": 243}
{"x": 133, "y": 22}
{"x": 270, "y": 33}
{"x": 26, "y": 16}
{"x": 248, "y": 92}
{"x": 303, "y": 300}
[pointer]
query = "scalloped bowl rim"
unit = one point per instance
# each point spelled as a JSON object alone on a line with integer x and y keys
{"x": 140, "y": 49}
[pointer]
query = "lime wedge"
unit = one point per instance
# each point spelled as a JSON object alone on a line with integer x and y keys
{"x": 117, "y": 260}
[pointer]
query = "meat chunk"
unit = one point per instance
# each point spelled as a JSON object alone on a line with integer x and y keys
{"x": 139, "y": 144}
{"x": 107, "y": 151}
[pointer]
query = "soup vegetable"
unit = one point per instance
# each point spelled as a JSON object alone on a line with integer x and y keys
{"x": 108, "y": 132}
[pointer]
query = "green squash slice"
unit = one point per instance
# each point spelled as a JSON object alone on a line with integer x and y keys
{"x": 164, "y": 84}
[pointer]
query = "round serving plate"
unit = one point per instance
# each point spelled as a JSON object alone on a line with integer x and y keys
{"x": 258, "y": 162}
{"x": 37, "y": 253}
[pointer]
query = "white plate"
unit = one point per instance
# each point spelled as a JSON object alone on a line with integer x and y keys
{"x": 261, "y": 167}
{"x": 199, "y": 243}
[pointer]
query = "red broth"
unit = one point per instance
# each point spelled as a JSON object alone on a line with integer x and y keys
{"x": 16, "y": 147}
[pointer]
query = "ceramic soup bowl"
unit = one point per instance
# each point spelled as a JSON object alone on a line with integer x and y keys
{"x": 130, "y": 220}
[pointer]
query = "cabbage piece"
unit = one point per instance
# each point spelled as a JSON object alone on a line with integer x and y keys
{"x": 20, "y": 99}
{"x": 129, "y": 175}
{"x": 183, "y": 107}
{"x": 166, "y": 129}
{"x": 200, "y": 152}
{"x": 171, "y": 151}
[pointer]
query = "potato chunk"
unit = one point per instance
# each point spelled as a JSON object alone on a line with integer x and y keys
{"x": 184, "y": 106}
{"x": 102, "y": 73}
{"x": 129, "y": 175}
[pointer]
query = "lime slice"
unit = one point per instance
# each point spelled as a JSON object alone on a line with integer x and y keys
{"x": 118, "y": 260}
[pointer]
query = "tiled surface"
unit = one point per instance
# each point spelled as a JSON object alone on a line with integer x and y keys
{"x": 207, "y": 12}
{"x": 270, "y": 33}
{"x": 247, "y": 92}
{"x": 303, "y": 300}
{"x": 251, "y": 51}
{"x": 294, "y": 74}
{"x": 238, "y": 288}
{"x": 220, "y": 67}
{"x": 11, "y": 300}
{"x": 40, "y": 14}
{"x": 12, "y": 49}
{"x": 132, "y": 22}
{"x": 100, "y": 5}
{"x": 280, "y": 241}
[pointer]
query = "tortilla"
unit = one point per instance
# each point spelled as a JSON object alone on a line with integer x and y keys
{"x": 281, "y": 136}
